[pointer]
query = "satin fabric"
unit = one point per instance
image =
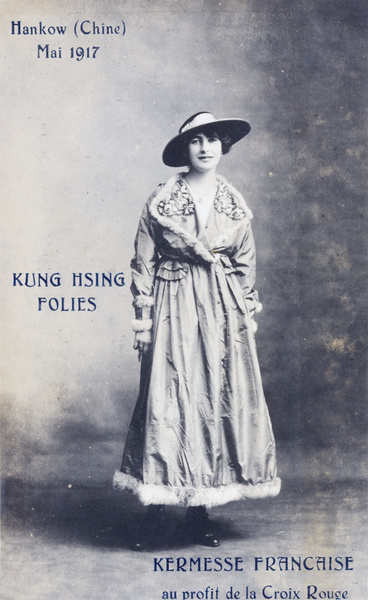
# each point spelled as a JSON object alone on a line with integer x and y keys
{"x": 201, "y": 432}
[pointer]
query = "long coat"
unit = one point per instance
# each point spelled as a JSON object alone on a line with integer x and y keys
{"x": 201, "y": 432}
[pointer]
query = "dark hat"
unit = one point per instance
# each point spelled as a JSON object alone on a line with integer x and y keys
{"x": 174, "y": 154}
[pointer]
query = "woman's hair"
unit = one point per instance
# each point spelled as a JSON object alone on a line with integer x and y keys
{"x": 224, "y": 138}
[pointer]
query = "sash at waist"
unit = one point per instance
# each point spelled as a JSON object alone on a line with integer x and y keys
{"x": 174, "y": 269}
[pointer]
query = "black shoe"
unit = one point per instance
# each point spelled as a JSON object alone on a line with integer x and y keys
{"x": 200, "y": 529}
{"x": 151, "y": 527}
{"x": 209, "y": 539}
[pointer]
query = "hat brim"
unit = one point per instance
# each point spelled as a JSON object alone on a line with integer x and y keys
{"x": 174, "y": 154}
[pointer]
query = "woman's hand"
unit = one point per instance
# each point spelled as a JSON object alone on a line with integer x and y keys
{"x": 142, "y": 342}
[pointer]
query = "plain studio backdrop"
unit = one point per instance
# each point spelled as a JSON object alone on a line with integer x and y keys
{"x": 81, "y": 152}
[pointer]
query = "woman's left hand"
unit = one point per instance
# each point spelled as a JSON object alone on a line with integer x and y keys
{"x": 142, "y": 342}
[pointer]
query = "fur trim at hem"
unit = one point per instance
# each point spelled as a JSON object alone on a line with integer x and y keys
{"x": 216, "y": 496}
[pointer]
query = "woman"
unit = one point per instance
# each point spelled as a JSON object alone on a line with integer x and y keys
{"x": 200, "y": 435}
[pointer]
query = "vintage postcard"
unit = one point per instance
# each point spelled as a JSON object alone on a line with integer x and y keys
{"x": 152, "y": 151}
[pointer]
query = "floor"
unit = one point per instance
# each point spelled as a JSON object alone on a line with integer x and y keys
{"x": 70, "y": 542}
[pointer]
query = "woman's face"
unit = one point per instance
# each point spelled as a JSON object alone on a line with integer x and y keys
{"x": 204, "y": 152}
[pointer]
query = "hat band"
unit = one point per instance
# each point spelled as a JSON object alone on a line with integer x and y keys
{"x": 201, "y": 119}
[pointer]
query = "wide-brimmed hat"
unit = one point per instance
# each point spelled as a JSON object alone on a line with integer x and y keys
{"x": 174, "y": 154}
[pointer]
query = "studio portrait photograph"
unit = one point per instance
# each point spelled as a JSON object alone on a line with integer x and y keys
{"x": 184, "y": 300}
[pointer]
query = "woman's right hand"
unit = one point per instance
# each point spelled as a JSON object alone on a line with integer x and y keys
{"x": 142, "y": 342}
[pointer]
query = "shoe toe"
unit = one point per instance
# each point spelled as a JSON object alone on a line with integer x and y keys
{"x": 211, "y": 540}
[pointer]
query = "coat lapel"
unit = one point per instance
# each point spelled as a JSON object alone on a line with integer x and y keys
{"x": 199, "y": 243}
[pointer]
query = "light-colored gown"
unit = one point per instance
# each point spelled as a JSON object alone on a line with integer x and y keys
{"x": 201, "y": 432}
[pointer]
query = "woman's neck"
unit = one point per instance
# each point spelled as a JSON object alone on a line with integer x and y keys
{"x": 201, "y": 181}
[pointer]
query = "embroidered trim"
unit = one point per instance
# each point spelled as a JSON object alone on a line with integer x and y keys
{"x": 141, "y": 301}
{"x": 179, "y": 203}
{"x": 234, "y": 192}
{"x": 224, "y": 203}
{"x": 215, "y": 496}
{"x": 139, "y": 325}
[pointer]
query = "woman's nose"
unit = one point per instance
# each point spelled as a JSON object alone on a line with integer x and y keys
{"x": 204, "y": 145}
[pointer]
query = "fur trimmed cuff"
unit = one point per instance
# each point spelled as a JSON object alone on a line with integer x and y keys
{"x": 141, "y": 301}
{"x": 141, "y": 325}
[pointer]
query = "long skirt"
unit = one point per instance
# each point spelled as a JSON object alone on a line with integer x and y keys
{"x": 201, "y": 432}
